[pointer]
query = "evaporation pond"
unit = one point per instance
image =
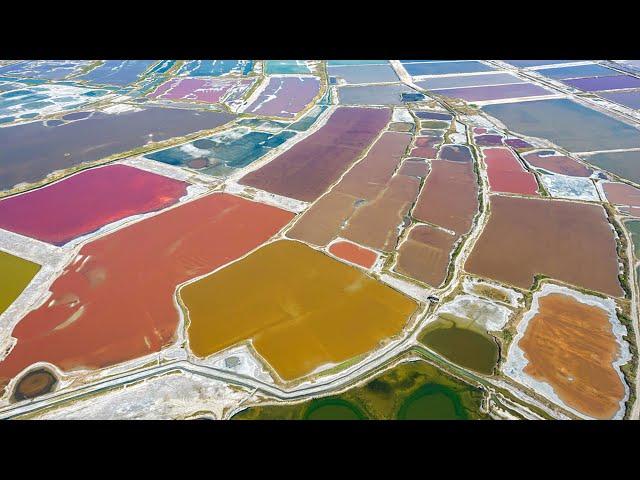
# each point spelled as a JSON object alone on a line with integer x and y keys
{"x": 305, "y": 309}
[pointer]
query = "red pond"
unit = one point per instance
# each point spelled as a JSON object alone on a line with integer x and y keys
{"x": 115, "y": 302}
{"x": 506, "y": 174}
{"x": 85, "y": 202}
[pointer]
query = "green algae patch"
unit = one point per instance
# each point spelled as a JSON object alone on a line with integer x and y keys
{"x": 15, "y": 275}
{"x": 413, "y": 390}
{"x": 462, "y": 344}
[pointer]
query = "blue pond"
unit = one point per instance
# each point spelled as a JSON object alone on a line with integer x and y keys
{"x": 117, "y": 72}
{"x": 215, "y": 68}
{"x": 275, "y": 67}
{"x": 593, "y": 70}
{"x": 443, "y": 68}
{"x": 223, "y": 153}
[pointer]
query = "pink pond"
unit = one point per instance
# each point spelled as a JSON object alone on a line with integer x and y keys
{"x": 207, "y": 90}
{"x": 494, "y": 92}
{"x": 85, "y": 202}
{"x": 506, "y": 174}
{"x": 621, "y": 194}
{"x": 285, "y": 96}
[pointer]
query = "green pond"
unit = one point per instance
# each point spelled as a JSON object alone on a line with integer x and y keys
{"x": 634, "y": 229}
{"x": 332, "y": 409}
{"x": 462, "y": 345}
{"x": 414, "y": 390}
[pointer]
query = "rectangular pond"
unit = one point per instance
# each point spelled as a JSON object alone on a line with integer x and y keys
{"x": 46, "y": 69}
{"x": 215, "y": 68}
{"x": 365, "y": 73}
{"x": 373, "y": 94}
{"x": 23, "y": 101}
{"x": 495, "y": 92}
{"x": 568, "y": 241}
{"x": 204, "y": 90}
{"x": 33, "y": 150}
{"x": 596, "y": 84}
{"x": 567, "y": 124}
{"x": 222, "y": 153}
{"x": 117, "y": 72}
{"x": 445, "y": 68}
{"x": 285, "y": 96}
{"x": 308, "y": 168}
{"x": 591, "y": 70}
{"x": 627, "y": 99}
{"x": 87, "y": 201}
{"x": 468, "y": 80}
{"x": 277, "y": 67}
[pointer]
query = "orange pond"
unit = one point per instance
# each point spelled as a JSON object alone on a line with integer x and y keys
{"x": 354, "y": 253}
{"x": 449, "y": 197}
{"x": 300, "y": 308}
{"x": 570, "y": 345}
{"x": 116, "y": 302}
{"x": 571, "y": 242}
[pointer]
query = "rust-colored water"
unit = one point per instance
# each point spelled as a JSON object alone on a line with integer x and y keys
{"x": 570, "y": 345}
{"x": 375, "y": 224}
{"x": 572, "y": 242}
{"x": 300, "y": 308}
{"x": 425, "y": 254}
{"x": 117, "y": 302}
{"x": 369, "y": 200}
{"x": 354, "y": 253}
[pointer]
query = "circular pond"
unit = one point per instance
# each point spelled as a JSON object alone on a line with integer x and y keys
{"x": 333, "y": 409}
{"x": 432, "y": 402}
{"x": 34, "y": 384}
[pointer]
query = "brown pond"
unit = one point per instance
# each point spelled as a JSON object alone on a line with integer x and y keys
{"x": 368, "y": 187}
{"x": 570, "y": 345}
{"x": 35, "y": 383}
{"x": 376, "y": 224}
{"x": 415, "y": 168}
{"x": 425, "y": 255}
{"x": 309, "y": 167}
{"x": 449, "y": 197}
{"x": 557, "y": 164}
{"x": 571, "y": 242}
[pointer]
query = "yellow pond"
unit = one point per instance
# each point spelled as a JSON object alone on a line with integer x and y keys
{"x": 300, "y": 308}
{"x": 15, "y": 275}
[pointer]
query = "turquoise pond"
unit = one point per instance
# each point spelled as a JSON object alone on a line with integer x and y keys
{"x": 223, "y": 153}
{"x": 276, "y": 67}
